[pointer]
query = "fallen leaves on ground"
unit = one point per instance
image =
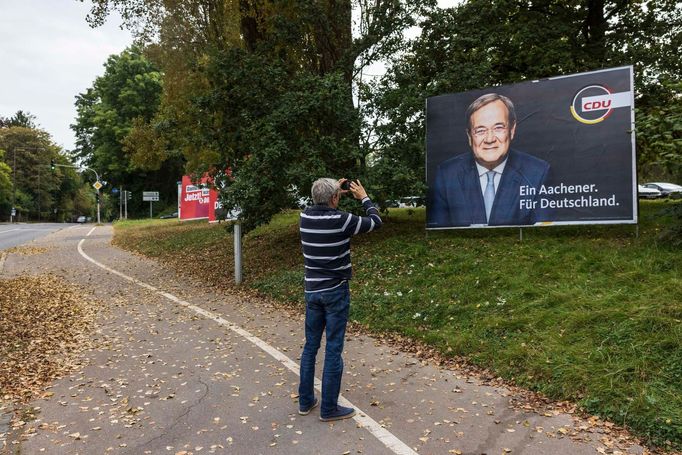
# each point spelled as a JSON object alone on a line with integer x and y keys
{"x": 27, "y": 250}
{"x": 43, "y": 322}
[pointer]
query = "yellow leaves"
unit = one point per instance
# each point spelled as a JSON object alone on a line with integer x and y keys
{"x": 43, "y": 320}
{"x": 27, "y": 250}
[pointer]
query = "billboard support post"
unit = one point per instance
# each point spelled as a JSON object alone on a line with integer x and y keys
{"x": 237, "y": 252}
{"x": 520, "y": 234}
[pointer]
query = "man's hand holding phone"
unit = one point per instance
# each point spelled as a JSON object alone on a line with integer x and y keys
{"x": 355, "y": 188}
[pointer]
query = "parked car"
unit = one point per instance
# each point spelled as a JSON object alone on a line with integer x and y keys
{"x": 303, "y": 202}
{"x": 648, "y": 193}
{"x": 411, "y": 201}
{"x": 666, "y": 189}
{"x": 80, "y": 219}
{"x": 169, "y": 215}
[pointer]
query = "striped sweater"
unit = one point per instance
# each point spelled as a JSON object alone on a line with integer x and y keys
{"x": 325, "y": 238}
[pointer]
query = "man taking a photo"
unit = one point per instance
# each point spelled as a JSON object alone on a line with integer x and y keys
{"x": 325, "y": 237}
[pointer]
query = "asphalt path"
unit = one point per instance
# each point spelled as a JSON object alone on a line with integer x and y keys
{"x": 180, "y": 368}
{"x": 16, "y": 234}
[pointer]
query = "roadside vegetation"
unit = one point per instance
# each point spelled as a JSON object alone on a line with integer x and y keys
{"x": 591, "y": 314}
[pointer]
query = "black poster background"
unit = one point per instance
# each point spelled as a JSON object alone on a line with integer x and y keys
{"x": 578, "y": 153}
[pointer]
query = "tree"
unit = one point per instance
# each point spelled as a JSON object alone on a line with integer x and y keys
{"x": 483, "y": 43}
{"x": 659, "y": 142}
{"x": 20, "y": 118}
{"x": 259, "y": 72}
{"x": 115, "y": 133}
{"x": 659, "y": 134}
{"x": 5, "y": 184}
{"x": 35, "y": 190}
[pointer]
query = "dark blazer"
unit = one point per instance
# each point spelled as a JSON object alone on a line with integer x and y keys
{"x": 456, "y": 197}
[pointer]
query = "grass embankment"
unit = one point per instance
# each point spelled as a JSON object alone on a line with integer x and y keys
{"x": 589, "y": 313}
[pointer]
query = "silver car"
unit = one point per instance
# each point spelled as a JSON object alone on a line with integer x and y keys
{"x": 648, "y": 193}
{"x": 666, "y": 189}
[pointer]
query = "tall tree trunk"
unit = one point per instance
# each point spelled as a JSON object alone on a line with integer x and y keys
{"x": 594, "y": 30}
{"x": 251, "y": 13}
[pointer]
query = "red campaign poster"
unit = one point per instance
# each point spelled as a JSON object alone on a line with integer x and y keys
{"x": 197, "y": 201}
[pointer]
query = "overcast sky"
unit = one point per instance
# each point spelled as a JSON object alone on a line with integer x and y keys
{"x": 49, "y": 54}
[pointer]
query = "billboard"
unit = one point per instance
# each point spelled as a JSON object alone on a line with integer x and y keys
{"x": 548, "y": 152}
{"x": 197, "y": 201}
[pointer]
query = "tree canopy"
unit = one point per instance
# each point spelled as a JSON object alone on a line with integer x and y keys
{"x": 482, "y": 43}
{"x": 115, "y": 129}
{"x": 272, "y": 90}
{"x": 263, "y": 88}
{"x": 38, "y": 193}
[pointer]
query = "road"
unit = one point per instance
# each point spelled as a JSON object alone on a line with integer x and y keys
{"x": 177, "y": 367}
{"x": 19, "y": 233}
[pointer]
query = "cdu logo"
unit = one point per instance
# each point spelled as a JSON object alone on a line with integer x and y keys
{"x": 594, "y": 103}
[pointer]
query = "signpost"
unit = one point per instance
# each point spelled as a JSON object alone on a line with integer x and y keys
{"x": 123, "y": 198}
{"x": 97, "y": 185}
{"x": 150, "y": 196}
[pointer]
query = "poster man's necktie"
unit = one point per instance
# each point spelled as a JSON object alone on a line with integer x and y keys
{"x": 489, "y": 194}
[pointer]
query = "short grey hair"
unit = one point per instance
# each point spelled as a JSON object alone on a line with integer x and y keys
{"x": 487, "y": 99}
{"x": 323, "y": 189}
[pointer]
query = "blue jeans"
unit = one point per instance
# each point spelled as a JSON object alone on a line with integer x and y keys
{"x": 324, "y": 309}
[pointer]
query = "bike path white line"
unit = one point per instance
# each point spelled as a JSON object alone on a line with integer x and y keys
{"x": 384, "y": 436}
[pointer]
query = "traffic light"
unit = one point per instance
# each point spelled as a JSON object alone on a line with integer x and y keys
{"x": 130, "y": 195}
{"x": 97, "y": 197}
{"x": 52, "y": 166}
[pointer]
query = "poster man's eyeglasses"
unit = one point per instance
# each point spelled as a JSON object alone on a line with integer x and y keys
{"x": 499, "y": 131}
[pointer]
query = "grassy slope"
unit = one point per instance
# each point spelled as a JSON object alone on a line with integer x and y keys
{"x": 590, "y": 313}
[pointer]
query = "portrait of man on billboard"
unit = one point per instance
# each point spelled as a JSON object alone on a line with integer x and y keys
{"x": 493, "y": 184}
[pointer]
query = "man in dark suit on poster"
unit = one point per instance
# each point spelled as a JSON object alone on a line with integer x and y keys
{"x": 486, "y": 187}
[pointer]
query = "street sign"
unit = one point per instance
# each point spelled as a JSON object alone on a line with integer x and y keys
{"x": 114, "y": 191}
{"x": 97, "y": 185}
{"x": 150, "y": 195}
{"x": 14, "y": 212}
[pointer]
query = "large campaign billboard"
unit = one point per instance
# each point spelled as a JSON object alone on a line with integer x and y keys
{"x": 552, "y": 151}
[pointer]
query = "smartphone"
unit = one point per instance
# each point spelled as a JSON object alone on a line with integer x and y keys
{"x": 345, "y": 185}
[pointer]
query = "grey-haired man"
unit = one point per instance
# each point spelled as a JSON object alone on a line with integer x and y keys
{"x": 325, "y": 238}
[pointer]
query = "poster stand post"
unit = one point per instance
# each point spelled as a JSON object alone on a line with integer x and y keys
{"x": 237, "y": 252}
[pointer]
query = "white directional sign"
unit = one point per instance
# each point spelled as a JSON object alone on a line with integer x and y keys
{"x": 150, "y": 195}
